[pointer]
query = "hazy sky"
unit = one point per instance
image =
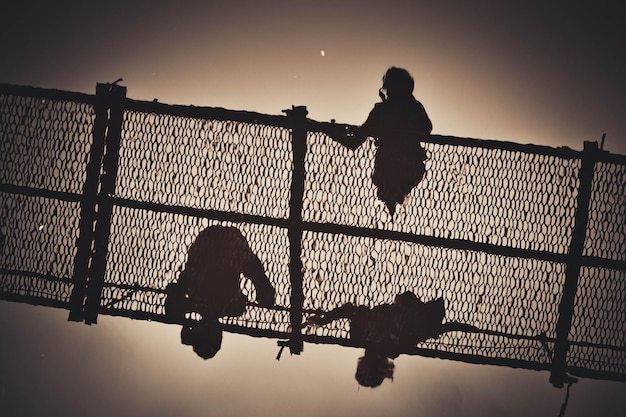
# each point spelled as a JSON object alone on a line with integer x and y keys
{"x": 516, "y": 71}
{"x": 531, "y": 72}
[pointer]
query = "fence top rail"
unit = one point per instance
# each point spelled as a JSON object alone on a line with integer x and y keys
{"x": 46, "y": 93}
{"x": 209, "y": 113}
{"x": 563, "y": 152}
{"x": 612, "y": 158}
{"x": 218, "y": 113}
{"x": 282, "y": 121}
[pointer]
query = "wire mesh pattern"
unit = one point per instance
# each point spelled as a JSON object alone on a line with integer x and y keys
{"x": 599, "y": 319}
{"x": 511, "y": 295}
{"x": 45, "y": 143}
{"x": 490, "y": 227}
{"x": 37, "y": 247}
{"x": 495, "y": 196}
{"x": 39, "y": 235}
{"x": 143, "y": 259}
{"x": 606, "y": 231}
{"x": 517, "y": 297}
{"x": 44, "y": 147}
{"x": 209, "y": 164}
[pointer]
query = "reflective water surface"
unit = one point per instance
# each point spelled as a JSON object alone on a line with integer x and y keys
{"x": 126, "y": 367}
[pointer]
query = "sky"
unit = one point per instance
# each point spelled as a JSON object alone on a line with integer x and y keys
{"x": 533, "y": 72}
{"x": 528, "y": 72}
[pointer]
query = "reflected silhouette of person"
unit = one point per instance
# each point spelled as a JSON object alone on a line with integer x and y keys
{"x": 397, "y": 123}
{"x": 386, "y": 331}
{"x": 209, "y": 286}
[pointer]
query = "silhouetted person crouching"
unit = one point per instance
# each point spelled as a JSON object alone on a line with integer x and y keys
{"x": 398, "y": 123}
{"x": 209, "y": 286}
{"x": 387, "y": 330}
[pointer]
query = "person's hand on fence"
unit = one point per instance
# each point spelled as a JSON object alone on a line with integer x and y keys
{"x": 347, "y": 135}
{"x": 317, "y": 319}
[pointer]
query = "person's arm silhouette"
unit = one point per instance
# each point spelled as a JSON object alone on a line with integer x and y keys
{"x": 249, "y": 264}
{"x": 349, "y": 136}
{"x": 320, "y": 318}
{"x": 254, "y": 271}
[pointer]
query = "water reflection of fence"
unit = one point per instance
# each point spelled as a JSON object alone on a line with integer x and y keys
{"x": 102, "y": 196}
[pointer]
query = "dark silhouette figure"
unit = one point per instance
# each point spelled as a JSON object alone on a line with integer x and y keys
{"x": 398, "y": 123}
{"x": 209, "y": 286}
{"x": 388, "y": 330}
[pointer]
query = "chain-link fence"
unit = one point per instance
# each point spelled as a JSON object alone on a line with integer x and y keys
{"x": 44, "y": 145}
{"x": 102, "y": 196}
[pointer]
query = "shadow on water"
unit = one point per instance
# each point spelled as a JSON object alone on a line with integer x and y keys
{"x": 387, "y": 330}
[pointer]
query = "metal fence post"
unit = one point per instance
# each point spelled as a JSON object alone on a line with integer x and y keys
{"x": 574, "y": 263}
{"x": 96, "y": 206}
{"x": 297, "y": 119}
{"x": 88, "y": 205}
{"x": 110, "y": 162}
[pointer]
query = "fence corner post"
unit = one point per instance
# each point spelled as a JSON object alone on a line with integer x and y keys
{"x": 574, "y": 263}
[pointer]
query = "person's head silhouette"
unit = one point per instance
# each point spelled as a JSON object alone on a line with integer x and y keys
{"x": 373, "y": 368}
{"x": 397, "y": 82}
{"x": 205, "y": 337}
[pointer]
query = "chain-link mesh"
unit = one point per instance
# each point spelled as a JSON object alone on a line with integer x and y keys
{"x": 599, "y": 320}
{"x": 598, "y": 332}
{"x": 44, "y": 145}
{"x": 511, "y": 296}
{"x": 224, "y": 165}
{"x": 39, "y": 236}
{"x": 148, "y": 250}
{"x": 606, "y": 230}
{"x": 37, "y": 249}
{"x": 45, "y": 142}
{"x": 210, "y": 164}
{"x": 495, "y": 196}
{"x": 489, "y": 228}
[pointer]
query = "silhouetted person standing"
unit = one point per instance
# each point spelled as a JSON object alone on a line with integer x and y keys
{"x": 398, "y": 123}
{"x": 386, "y": 330}
{"x": 209, "y": 285}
